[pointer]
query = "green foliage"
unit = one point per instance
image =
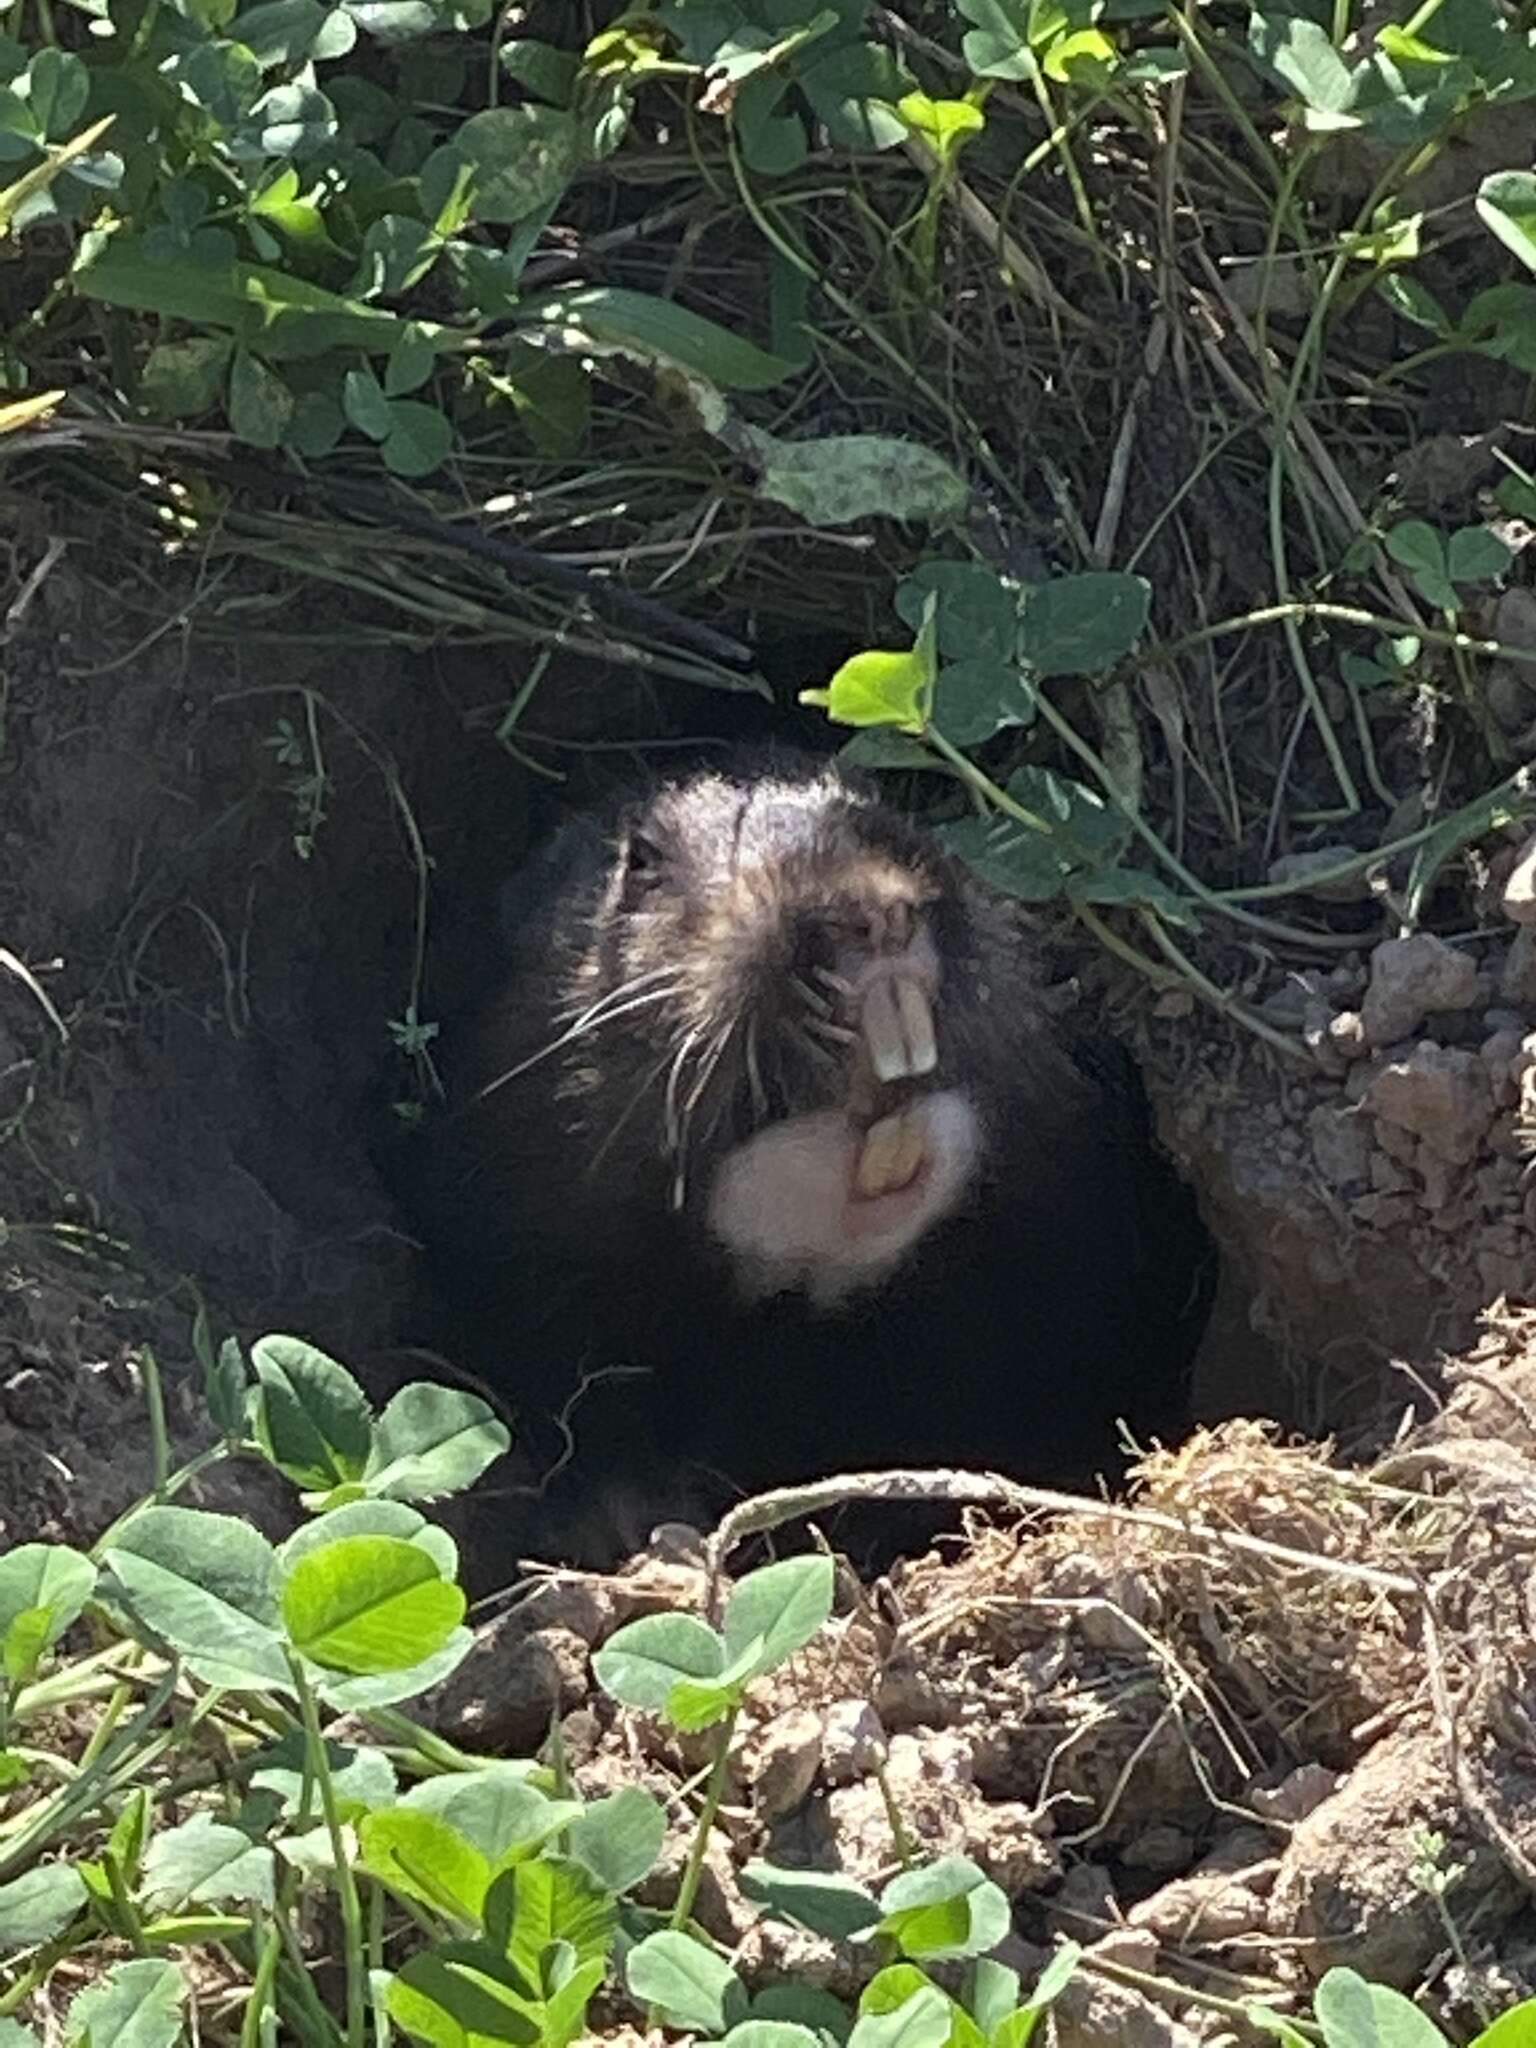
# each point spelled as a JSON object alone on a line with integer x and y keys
{"x": 481, "y": 1903}
{"x": 677, "y": 1665}
{"x": 984, "y": 650}
{"x": 1438, "y": 563}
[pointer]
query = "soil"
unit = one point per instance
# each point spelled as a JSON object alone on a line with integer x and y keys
{"x": 1212, "y": 1734}
{"x": 1170, "y": 1747}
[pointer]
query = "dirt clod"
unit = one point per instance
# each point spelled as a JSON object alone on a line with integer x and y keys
{"x": 1348, "y": 1889}
{"x": 782, "y": 1761}
{"x": 1439, "y": 1093}
{"x": 1410, "y": 978}
{"x": 853, "y": 1742}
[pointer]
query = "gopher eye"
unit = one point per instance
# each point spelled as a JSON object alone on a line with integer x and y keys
{"x": 644, "y": 865}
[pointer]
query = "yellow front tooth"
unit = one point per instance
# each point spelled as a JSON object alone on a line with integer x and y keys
{"x": 878, "y": 1157}
{"x": 883, "y": 1033}
{"x": 907, "y": 1161}
{"x": 917, "y": 1026}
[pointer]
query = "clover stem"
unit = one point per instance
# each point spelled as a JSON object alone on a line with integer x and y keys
{"x": 318, "y": 1768}
{"x": 714, "y": 1792}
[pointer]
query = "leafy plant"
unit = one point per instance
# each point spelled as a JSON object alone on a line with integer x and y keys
{"x": 1439, "y": 563}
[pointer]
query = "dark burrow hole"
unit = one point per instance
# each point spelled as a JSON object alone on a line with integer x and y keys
{"x": 472, "y": 862}
{"x": 230, "y": 1121}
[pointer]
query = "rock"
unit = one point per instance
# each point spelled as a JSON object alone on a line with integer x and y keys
{"x": 910, "y": 1694}
{"x": 1299, "y": 1793}
{"x": 782, "y": 1760}
{"x": 1174, "y": 1003}
{"x": 1514, "y": 619}
{"x": 933, "y": 1788}
{"x": 1115, "y": 1601}
{"x": 1441, "y": 1181}
{"x": 1499, "y": 1053}
{"x": 1299, "y": 868}
{"x": 1346, "y": 1033}
{"x": 719, "y": 1906}
{"x": 1517, "y": 983}
{"x": 1519, "y": 899}
{"x": 509, "y": 1689}
{"x": 1133, "y": 1948}
{"x": 1409, "y": 978}
{"x": 853, "y": 1742}
{"x": 1398, "y": 1144}
{"x": 1092, "y": 2011}
{"x": 1084, "y": 1902}
{"x": 1222, "y": 1899}
{"x": 1508, "y": 695}
{"x": 1389, "y": 1176}
{"x": 1439, "y": 1093}
{"x": 1346, "y": 1892}
{"x": 1162, "y": 1849}
{"x": 33, "y": 1399}
{"x": 1341, "y": 1145}
{"x": 578, "y": 1606}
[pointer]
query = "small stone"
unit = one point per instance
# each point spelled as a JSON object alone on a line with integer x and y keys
{"x": 853, "y": 1743}
{"x": 1441, "y": 1181}
{"x": 1514, "y": 619}
{"x": 576, "y": 1605}
{"x": 1174, "y": 1003}
{"x": 1347, "y": 1033}
{"x": 1164, "y": 1848}
{"x": 1285, "y": 1006}
{"x": 1409, "y": 978}
{"x": 1400, "y": 1145}
{"x": 910, "y": 1694}
{"x": 676, "y": 1543}
{"x": 1298, "y": 869}
{"x": 32, "y": 1399}
{"x": 1341, "y": 1145}
{"x": 1222, "y": 1899}
{"x": 1519, "y": 898}
{"x": 1499, "y": 1019}
{"x": 1299, "y": 1793}
{"x": 1086, "y": 1900}
{"x": 1517, "y": 983}
{"x": 1384, "y": 1212}
{"x": 1093, "y": 2010}
{"x": 782, "y": 1761}
{"x": 1389, "y": 1176}
{"x": 1509, "y": 697}
{"x": 1115, "y": 1601}
{"x": 504, "y": 1696}
{"x": 1439, "y": 1093}
{"x": 1132, "y": 1948}
{"x": 1499, "y": 1053}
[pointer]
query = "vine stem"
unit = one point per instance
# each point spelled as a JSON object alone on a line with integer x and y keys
{"x": 354, "y": 1933}
{"x": 269, "y": 1954}
{"x": 714, "y": 1792}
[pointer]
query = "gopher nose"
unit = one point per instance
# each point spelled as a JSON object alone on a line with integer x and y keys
{"x": 883, "y": 969}
{"x": 849, "y": 943}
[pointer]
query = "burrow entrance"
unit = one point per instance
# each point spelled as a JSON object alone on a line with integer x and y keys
{"x": 236, "y": 872}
